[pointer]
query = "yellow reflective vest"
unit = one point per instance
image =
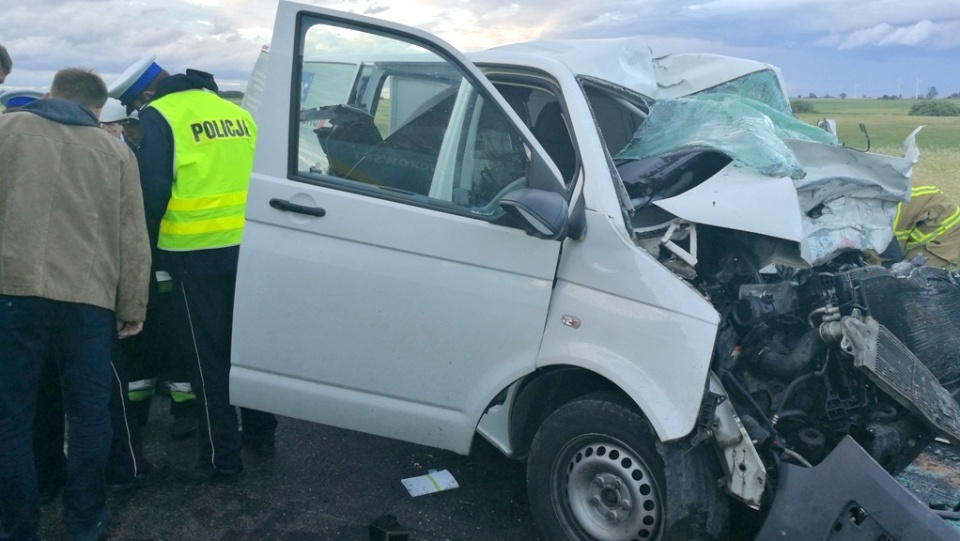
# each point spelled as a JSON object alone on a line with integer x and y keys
{"x": 213, "y": 142}
{"x": 927, "y": 225}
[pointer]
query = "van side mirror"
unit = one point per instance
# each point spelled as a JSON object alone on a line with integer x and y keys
{"x": 542, "y": 214}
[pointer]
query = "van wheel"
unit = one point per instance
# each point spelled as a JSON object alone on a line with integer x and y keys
{"x": 596, "y": 473}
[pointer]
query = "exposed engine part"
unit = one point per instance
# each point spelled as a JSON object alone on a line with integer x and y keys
{"x": 894, "y": 368}
{"x": 682, "y": 230}
{"x": 789, "y": 453}
{"x": 752, "y": 310}
{"x": 745, "y": 472}
{"x": 811, "y": 443}
{"x": 797, "y": 376}
{"x": 778, "y": 360}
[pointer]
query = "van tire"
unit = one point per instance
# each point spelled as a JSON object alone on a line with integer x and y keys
{"x": 596, "y": 472}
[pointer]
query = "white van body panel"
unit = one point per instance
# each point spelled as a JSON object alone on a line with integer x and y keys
{"x": 652, "y": 337}
{"x": 380, "y": 317}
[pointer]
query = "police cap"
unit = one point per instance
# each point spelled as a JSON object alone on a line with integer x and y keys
{"x": 18, "y": 98}
{"x": 129, "y": 84}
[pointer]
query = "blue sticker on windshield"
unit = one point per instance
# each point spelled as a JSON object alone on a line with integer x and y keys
{"x": 305, "y": 83}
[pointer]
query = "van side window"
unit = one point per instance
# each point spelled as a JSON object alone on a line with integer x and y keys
{"x": 618, "y": 115}
{"x": 541, "y": 111}
{"x": 390, "y": 118}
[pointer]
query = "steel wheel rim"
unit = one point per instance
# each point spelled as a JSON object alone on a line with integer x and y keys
{"x": 612, "y": 494}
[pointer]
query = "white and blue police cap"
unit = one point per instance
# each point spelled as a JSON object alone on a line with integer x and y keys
{"x": 129, "y": 84}
{"x": 113, "y": 111}
{"x": 18, "y": 98}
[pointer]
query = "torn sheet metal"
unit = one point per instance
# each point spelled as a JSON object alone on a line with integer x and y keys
{"x": 846, "y": 201}
{"x": 843, "y": 199}
{"x": 744, "y": 200}
{"x": 847, "y": 198}
{"x": 746, "y": 476}
{"x": 848, "y": 496}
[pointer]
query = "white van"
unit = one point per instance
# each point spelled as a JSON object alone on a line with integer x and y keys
{"x": 542, "y": 245}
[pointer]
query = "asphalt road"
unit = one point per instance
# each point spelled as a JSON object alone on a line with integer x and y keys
{"x": 323, "y": 484}
{"x": 330, "y": 484}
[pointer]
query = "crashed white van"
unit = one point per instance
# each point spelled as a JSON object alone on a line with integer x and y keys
{"x": 643, "y": 276}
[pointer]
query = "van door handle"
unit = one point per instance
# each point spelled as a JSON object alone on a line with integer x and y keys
{"x": 283, "y": 204}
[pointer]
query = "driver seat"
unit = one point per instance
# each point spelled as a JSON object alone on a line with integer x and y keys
{"x": 551, "y": 131}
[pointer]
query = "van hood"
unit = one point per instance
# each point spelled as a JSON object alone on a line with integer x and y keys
{"x": 786, "y": 179}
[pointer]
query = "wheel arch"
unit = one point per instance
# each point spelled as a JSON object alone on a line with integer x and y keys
{"x": 546, "y": 390}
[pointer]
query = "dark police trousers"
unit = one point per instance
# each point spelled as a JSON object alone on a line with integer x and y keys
{"x": 204, "y": 304}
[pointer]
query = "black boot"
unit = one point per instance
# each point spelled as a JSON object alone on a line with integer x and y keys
{"x": 185, "y": 420}
{"x": 140, "y": 410}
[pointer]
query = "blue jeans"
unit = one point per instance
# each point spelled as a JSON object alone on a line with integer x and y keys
{"x": 80, "y": 338}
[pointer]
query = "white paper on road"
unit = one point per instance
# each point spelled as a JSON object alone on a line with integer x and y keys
{"x": 430, "y": 483}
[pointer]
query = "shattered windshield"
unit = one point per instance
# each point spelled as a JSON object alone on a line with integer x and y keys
{"x": 763, "y": 86}
{"x": 750, "y": 132}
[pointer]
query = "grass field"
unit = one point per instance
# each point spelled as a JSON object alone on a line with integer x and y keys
{"x": 888, "y": 124}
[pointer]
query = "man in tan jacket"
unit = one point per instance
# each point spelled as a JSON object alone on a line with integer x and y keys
{"x": 74, "y": 271}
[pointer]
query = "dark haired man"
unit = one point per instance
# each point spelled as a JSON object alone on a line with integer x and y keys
{"x": 6, "y": 64}
{"x": 72, "y": 279}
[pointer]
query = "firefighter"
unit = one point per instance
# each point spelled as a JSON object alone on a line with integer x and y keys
{"x": 156, "y": 363}
{"x": 927, "y": 226}
{"x": 196, "y": 156}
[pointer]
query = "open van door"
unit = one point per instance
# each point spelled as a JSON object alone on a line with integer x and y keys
{"x": 381, "y": 285}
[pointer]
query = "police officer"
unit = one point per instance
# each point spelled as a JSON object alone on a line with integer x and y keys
{"x": 153, "y": 352}
{"x": 927, "y": 225}
{"x": 11, "y": 100}
{"x": 196, "y": 155}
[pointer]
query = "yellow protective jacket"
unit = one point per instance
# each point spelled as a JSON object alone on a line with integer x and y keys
{"x": 928, "y": 225}
{"x": 213, "y": 144}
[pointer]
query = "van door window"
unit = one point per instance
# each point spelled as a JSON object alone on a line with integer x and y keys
{"x": 538, "y": 105}
{"x": 409, "y": 127}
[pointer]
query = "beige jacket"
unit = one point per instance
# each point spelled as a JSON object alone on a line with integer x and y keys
{"x": 71, "y": 211}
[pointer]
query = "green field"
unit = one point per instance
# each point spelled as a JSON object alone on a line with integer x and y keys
{"x": 887, "y": 124}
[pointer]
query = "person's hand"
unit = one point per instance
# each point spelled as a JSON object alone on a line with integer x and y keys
{"x": 126, "y": 329}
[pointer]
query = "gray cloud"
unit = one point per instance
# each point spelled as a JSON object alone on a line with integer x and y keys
{"x": 934, "y": 35}
{"x": 808, "y": 38}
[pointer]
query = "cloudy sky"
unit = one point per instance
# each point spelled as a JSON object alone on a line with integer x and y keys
{"x": 857, "y": 47}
